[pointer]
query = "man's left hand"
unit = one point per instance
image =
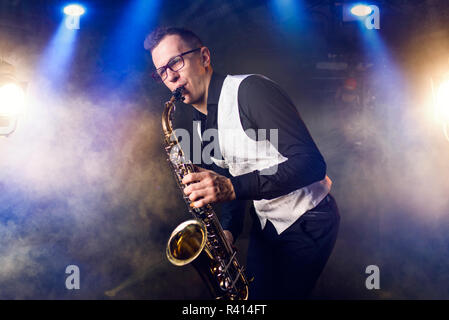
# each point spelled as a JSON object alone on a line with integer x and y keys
{"x": 206, "y": 186}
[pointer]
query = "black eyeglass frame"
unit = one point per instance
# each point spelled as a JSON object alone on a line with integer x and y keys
{"x": 157, "y": 77}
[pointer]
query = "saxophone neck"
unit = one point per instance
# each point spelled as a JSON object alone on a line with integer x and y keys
{"x": 166, "y": 118}
{"x": 168, "y": 110}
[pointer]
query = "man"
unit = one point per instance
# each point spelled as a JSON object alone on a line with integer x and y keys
{"x": 295, "y": 218}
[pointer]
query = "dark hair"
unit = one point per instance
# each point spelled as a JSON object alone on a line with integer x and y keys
{"x": 153, "y": 39}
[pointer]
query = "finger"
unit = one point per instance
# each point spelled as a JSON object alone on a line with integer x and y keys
{"x": 192, "y": 177}
{"x": 202, "y": 202}
{"x": 229, "y": 236}
{"x": 205, "y": 191}
{"x": 203, "y": 184}
{"x": 199, "y": 169}
{"x": 195, "y": 195}
{"x": 189, "y": 178}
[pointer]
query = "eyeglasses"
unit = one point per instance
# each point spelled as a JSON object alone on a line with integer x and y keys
{"x": 174, "y": 64}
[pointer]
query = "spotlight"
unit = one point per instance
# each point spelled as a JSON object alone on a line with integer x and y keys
{"x": 368, "y": 14}
{"x": 442, "y": 102}
{"x": 74, "y": 10}
{"x": 361, "y": 10}
{"x": 440, "y": 95}
{"x": 73, "y": 13}
{"x": 12, "y": 99}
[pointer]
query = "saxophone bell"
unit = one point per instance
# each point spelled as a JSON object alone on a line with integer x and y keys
{"x": 186, "y": 242}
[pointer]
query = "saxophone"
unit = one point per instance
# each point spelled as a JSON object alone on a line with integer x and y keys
{"x": 200, "y": 241}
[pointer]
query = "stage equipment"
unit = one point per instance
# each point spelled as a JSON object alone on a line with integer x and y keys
{"x": 12, "y": 99}
{"x": 361, "y": 10}
{"x": 74, "y": 10}
{"x": 440, "y": 94}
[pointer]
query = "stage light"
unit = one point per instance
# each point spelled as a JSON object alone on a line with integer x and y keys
{"x": 361, "y": 10}
{"x": 368, "y": 14}
{"x": 12, "y": 99}
{"x": 442, "y": 102}
{"x": 74, "y": 10}
{"x": 440, "y": 97}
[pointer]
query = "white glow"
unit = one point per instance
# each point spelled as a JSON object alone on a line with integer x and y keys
{"x": 12, "y": 100}
{"x": 442, "y": 102}
{"x": 361, "y": 10}
{"x": 74, "y": 10}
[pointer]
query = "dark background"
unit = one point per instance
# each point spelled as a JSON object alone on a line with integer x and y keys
{"x": 84, "y": 178}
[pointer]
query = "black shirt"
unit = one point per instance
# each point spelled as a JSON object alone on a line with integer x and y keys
{"x": 264, "y": 105}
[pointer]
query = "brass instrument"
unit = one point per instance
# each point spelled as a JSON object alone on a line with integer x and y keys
{"x": 200, "y": 240}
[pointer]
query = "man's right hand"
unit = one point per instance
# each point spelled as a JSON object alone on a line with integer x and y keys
{"x": 229, "y": 237}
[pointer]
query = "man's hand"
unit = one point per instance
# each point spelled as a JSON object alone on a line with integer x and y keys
{"x": 229, "y": 237}
{"x": 206, "y": 186}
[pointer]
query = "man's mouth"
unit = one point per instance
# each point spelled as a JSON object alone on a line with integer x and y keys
{"x": 186, "y": 91}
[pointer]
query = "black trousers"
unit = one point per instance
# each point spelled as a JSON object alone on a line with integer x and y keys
{"x": 287, "y": 266}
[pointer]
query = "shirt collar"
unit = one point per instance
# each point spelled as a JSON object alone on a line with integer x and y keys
{"x": 215, "y": 85}
{"x": 213, "y": 95}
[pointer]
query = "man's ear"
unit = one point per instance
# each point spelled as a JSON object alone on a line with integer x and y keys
{"x": 205, "y": 56}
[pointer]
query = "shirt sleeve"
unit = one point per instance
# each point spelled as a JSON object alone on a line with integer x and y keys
{"x": 264, "y": 105}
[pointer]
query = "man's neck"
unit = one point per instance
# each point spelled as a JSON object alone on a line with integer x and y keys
{"x": 202, "y": 105}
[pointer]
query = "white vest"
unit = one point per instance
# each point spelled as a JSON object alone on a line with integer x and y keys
{"x": 242, "y": 155}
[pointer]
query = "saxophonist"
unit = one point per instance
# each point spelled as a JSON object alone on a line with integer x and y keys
{"x": 282, "y": 172}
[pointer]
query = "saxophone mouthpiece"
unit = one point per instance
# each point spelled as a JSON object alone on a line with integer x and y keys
{"x": 178, "y": 93}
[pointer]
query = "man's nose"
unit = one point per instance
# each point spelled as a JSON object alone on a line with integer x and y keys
{"x": 172, "y": 76}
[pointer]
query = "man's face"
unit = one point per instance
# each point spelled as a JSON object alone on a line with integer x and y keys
{"x": 192, "y": 76}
